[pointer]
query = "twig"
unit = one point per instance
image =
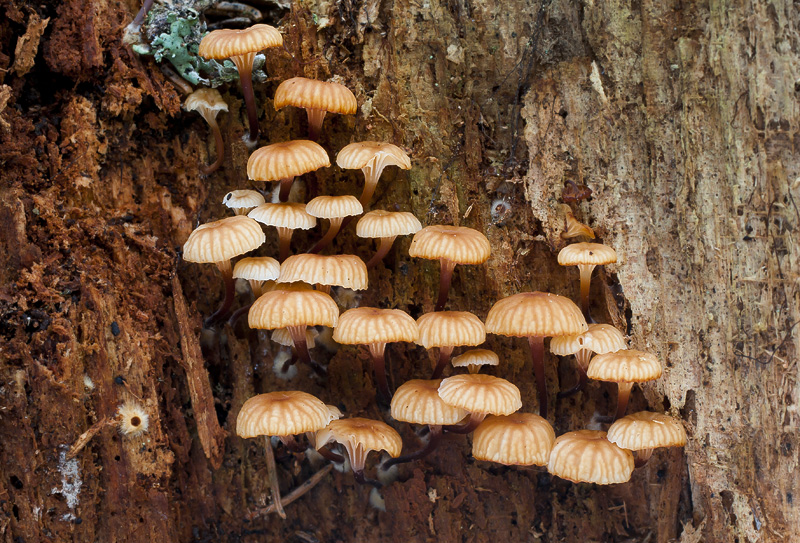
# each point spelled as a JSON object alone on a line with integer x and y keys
{"x": 87, "y": 436}
{"x": 294, "y": 494}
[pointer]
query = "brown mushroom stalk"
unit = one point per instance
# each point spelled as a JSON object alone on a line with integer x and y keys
{"x": 142, "y": 13}
{"x": 236, "y": 315}
{"x": 377, "y": 353}
{"x": 244, "y": 65}
{"x": 446, "y": 276}
{"x": 286, "y": 187}
{"x": 537, "y": 357}
{"x": 219, "y": 146}
{"x": 272, "y": 475}
{"x": 641, "y": 457}
{"x": 295, "y": 494}
{"x": 336, "y": 224}
{"x": 435, "y": 436}
{"x": 315, "y": 119}
{"x": 298, "y": 334}
{"x": 586, "y": 282}
{"x": 444, "y": 358}
{"x": 284, "y": 242}
{"x": 383, "y": 250}
{"x": 328, "y": 454}
{"x": 229, "y": 289}
{"x": 582, "y": 356}
{"x": 467, "y": 427}
{"x": 622, "y": 398}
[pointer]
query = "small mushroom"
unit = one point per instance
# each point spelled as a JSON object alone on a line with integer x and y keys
{"x": 480, "y": 395}
{"x": 450, "y": 245}
{"x": 574, "y": 228}
{"x": 474, "y": 359}
{"x": 519, "y": 439}
{"x": 448, "y": 330}
{"x": 644, "y": 431}
{"x": 284, "y": 161}
{"x": 208, "y": 103}
{"x": 242, "y": 201}
{"x": 219, "y": 241}
{"x": 599, "y": 338}
{"x": 375, "y": 328}
{"x": 624, "y": 368}
{"x": 257, "y": 271}
{"x": 586, "y": 256}
{"x": 386, "y": 226}
{"x": 346, "y": 271}
{"x": 587, "y": 456}
{"x": 360, "y": 436}
{"x": 318, "y": 98}
{"x": 241, "y": 46}
{"x": 335, "y": 209}
{"x": 286, "y": 217}
{"x": 371, "y": 157}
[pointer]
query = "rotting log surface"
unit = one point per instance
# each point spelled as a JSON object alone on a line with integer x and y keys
{"x": 681, "y": 117}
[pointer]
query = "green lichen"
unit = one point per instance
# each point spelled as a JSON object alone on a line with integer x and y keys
{"x": 175, "y": 36}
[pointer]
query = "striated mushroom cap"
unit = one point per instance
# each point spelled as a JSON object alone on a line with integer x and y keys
{"x": 242, "y": 199}
{"x": 282, "y": 414}
{"x": 226, "y": 43}
{"x": 347, "y": 271}
{"x": 334, "y": 207}
{"x": 281, "y": 336}
{"x": 450, "y": 329}
{"x": 284, "y": 215}
{"x": 645, "y": 430}
{"x": 599, "y": 338}
{"x": 455, "y": 243}
{"x": 387, "y": 224}
{"x": 418, "y": 402}
{"x": 359, "y": 437}
{"x": 260, "y": 268}
{"x": 521, "y": 439}
{"x": 476, "y": 357}
{"x": 204, "y": 101}
{"x": 478, "y": 393}
{"x": 586, "y": 456}
{"x": 624, "y": 367}
{"x": 538, "y": 314}
{"x": 578, "y": 254}
{"x": 282, "y": 308}
{"x": 286, "y": 159}
{"x": 221, "y": 240}
{"x": 314, "y": 94}
{"x": 574, "y": 228}
{"x": 365, "y": 325}
{"x": 360, "y": 154}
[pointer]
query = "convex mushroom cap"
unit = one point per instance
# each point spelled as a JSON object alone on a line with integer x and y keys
{"x": 481, "y": 394}
{"x": 457, "y": 244}
{"x": 387, "y": 224}
{"x": 282, "y": 414}
{"x": 625, "y": 366}
{"x": 371, "y": 157}
{"x": 521, "y": 439}
{"x": 535, "y": 314}
{"x": 418, "y": 402}
{"x": 366, "y": 325}
{"x": 242, "y": 201}
{"x": 475, "y": 358}
{"x": 318, "y": 98}
{"x": 360, "y": 436}
{"x": 586, "y": 456}
{"x": 599, "y": 338}
{"x": 334, "y": 207}
{"x": 286, "y": 217}
{"x": 221, "y": 240}
{"x": 587, "y": 254}
{"x": 284, "y": 308}
{"x": 645, "y": 430}
{"x": 286, "y": 159}
{"x": 346, "y": 271}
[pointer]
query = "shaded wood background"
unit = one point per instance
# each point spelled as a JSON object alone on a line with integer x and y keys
{"x": 682, "y": 117}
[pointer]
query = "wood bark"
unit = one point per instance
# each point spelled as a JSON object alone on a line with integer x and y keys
{"x": 681, "y": 117}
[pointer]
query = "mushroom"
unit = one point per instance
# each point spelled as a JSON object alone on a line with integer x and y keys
{"x": 386, "y": 226}
{"x": 282, "y": 414}
{"x": 286, "y": 217}
{"x": 519, "y": 439}
{"x": 587, "y": 456}
{"x": 295, "y": 310}
{"x": 346, "y": 271}
{"x": 586, "y": 256}
{"x": 241, "y": 46}
{"x": 450, "y": 245}
{"x": 218, "y": 242}
{"x": 318, "y": 98}
{"x": 282, "y": 336}
{"x": 208, "y": 103}
{"x": 418, "y": 402}
{"x": 448, "y": 330}
{"x": 371, "y": 157}
{"x": 133, "y": 419}
{"x": 375, "y": 328}
{"x": 624, "y": 368}
{"x": 480, "y": 395}
{"x": 536, "y": 315}
{"x": 284, "y": 161}
{"x": 360, "y": 436}
{"x": 599, "y": 338}
{"x": 335, "y": 209}
{"x": 574, "y": 228}
{"x": 644, "y": 431}
{"x": 242, "y": 201}
{"x": 257, "y": 271}
{"x": 475, "y": 358}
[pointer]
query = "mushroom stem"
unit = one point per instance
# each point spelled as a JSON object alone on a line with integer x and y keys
{"x": 586, "y": 282}
{"x": 444, "y": 358}
{"x": 447, "y": 267}
{"x": 336, "y": 224}
{"x": 230, "y": 293}
{"x": 360, "y": 478}
{"x": 641, "y": 457}
{"x": 284, "y": 240}
{"x": 537, "y": 357}
{"x": 474, "y": 420}
{"x": 272, "y": 475}
{"x": 286, "y": 188}
{"x": 328, "y": 454}
{"x": 315, "y": 118}
{"x": 142, "y": 14}
{"x": 219, "y": 145}
{"x": 298, "y": 334}
{"x": 383, "y": 249}
{"x": 372, "y": 174}
{"x": 238, "y": 315}
{"x": 244, "y": 65}
{"x": 582, "y": 356}
{"x": 622, "y": 399}
{"x": 296, "y": 493}
{"x": 376, "y": 351}
{"x": 433, "y": 441}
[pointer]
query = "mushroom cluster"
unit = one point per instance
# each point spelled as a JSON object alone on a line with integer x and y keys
{"x": 292, "y": 296}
